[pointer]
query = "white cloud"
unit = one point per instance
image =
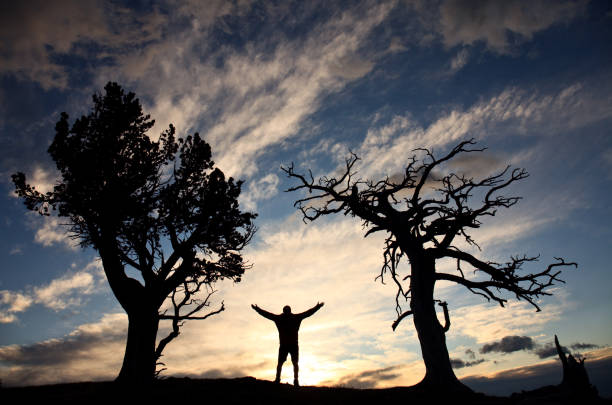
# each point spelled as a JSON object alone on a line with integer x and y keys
{"x": 7, "y": 318}
{"x": 11, "y": 303}
{"x": 382, "y": 135}
{"x": 262, "y": 189}
{"x": 67, "y": 291}
{"x": 459, "y": 61}
{"x": 464, "y": 22}
{"x": 42, "y": 180}
{"x": 54, "y": 232}
{"x": 114, "y": 324}
{"x": 50, "y": 230}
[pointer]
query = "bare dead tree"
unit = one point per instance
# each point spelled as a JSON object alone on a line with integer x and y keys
{"x": 422, "y": 214}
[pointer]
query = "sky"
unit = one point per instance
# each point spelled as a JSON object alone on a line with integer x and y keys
{"x": 270, "y": 83}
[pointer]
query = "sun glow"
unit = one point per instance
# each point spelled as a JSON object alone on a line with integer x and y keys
{"x": 313, "y": 371}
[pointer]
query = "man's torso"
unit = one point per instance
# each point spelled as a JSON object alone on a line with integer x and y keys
{"x": 288, "y": 327}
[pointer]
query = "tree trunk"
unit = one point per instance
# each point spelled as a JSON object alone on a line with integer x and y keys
{"x": 141, "y": 305}
{"x": 139, "y": 359}
{"x": 439, "y": 373}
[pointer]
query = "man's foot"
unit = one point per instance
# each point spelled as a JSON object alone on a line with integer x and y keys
{"x": 277, "y": 381}
{"x": 296, "y": 383}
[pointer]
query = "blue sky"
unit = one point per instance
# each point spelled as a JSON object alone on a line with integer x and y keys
{"x": 270, "y": 83}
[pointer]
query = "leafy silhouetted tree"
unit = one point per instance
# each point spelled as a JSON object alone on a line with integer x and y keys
{"x": 422, "y": 213}
{"x": 159, "y": 207}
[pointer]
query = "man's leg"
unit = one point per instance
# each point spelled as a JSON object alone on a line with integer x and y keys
{"x": 282, "y": 356}
{"x": 295, "y": 358}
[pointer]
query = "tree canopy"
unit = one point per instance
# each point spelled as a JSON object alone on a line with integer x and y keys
{"x": 159, "y": 206}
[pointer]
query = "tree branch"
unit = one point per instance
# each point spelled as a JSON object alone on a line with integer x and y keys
{"x": 506, "y": 278}
{"x": 435, "y": 219}
{"x": 447, "y": 323}
{"x": 400, "y": 318}
{"x": 190, "y": 288}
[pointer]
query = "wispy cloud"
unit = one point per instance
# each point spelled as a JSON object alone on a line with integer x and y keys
{"x": 489, "y": 322}
{"x": 458, "y": 61}
{"x": 12, "y": 303}
{"x": 37, "y": 33}
{"x": 491, "y": 22}
{"x": 259, "y": 190}
{"x": 514, "y": 111}
{"x": 67, "y": 291}
{"x": 252, "y": 97}
{"x": 256, "y": 99}
{"x": 16, "y": 250}
{"x": 53, "y": 231}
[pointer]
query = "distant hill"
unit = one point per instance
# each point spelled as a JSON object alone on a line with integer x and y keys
{"x": 251, "y": 391}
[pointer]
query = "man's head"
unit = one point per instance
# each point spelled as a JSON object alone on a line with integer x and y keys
{"x": 286, "y": 309}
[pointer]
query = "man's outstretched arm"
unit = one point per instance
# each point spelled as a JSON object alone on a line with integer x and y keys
{"x": 311, "y": 311}
{"x": 263, "y": 312}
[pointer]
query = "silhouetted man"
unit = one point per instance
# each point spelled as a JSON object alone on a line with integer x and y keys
{"x": 288, "y": 325}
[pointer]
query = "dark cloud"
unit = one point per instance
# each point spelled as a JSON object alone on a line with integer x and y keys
{"x": 229, "y": 372}
{"x": 539, "y": 375}
{"x": 53, "y": 360}
{"x": 57, "y": 352}
{"x": 470, "y": 353}
{"x": 582, "y": 346}
{"x": 509, "y": 344}
{"x": 458, "y": 363}
{"x": 369, "y": 378}
{"x": 548, "y": 350}
{"x": 216, "y": 373}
